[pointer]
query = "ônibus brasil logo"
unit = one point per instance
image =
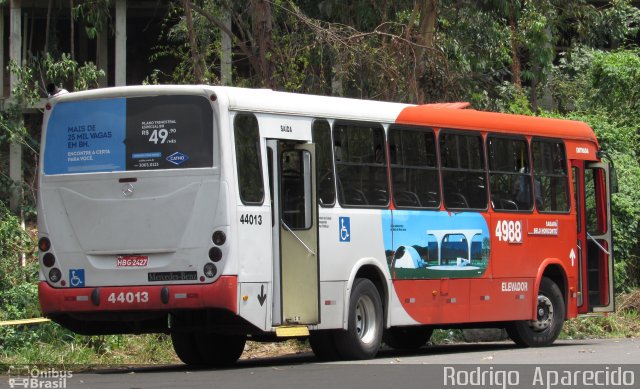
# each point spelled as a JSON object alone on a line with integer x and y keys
{"x": 177, "y": 158}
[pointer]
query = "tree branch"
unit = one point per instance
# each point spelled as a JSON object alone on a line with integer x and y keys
{"x": 246, "y": 50}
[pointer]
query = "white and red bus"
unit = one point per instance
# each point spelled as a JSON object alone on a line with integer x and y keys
{"x": 222, "y": 214}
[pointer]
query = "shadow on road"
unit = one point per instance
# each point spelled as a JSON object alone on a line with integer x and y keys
{"x": 307, "y": 358}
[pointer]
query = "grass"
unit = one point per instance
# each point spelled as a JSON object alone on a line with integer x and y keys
{"x": 624, "y": 323}
{"x": 96, "y": 350}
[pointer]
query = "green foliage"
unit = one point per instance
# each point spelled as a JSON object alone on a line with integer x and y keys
{"x": 446, "y": 337}
{"x": 615, "y": 82}
{"x": 18, "y": 290}
{"x": 59, "y": 71}
{"x": 96, "y": 15}
{"x": 174, "y": 44}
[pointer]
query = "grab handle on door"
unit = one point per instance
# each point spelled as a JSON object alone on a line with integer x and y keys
{"x": 296, "y": 236}
{"x": 598, "y": 244}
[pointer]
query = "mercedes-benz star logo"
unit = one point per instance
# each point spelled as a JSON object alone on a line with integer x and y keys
{"x": 127, "y": 190}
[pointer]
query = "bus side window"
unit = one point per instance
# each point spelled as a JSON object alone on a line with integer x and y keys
{"x": 248, "y": 158}
{"x": 551, "y": 178}
{"x": 509, "y": 173}
{"x": 324, "y": 157}
{"x": 414, "y": 169}
{"x": 294, "y": 189}
{"x": 463, "y": 173}
{"x": 361, "y": 165}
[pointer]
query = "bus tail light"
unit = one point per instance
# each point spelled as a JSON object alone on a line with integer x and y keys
{"x": 48, "y": 260}
{"x": 219, "y": 238}
{"x": 55, "y": 275}
{"x": 215, "y": 254}
{"x": 44, "y": 244}
{"x": 210, "y": 270}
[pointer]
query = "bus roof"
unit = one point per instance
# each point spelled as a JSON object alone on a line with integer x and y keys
{"x": 440, "y": 115}
{"x": 267, "y": 100}
{"x": 427, "y": 115}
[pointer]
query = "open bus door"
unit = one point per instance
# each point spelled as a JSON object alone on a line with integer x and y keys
{"x": 595, "y": 249}
{"x": 295, "y": 233}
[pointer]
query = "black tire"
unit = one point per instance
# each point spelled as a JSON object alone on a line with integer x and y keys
{"x": 551, "y": 313}
{"x": 407, "y": 338}
{"x": 186, "y": 347}
{"x": 219, "y": 350}
{"x": 362, "y": 338}
{"x": 323, "y": 345}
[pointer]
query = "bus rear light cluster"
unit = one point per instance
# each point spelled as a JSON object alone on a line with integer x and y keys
{"x": 218, "y": 238}
{"x": 55, "y": 275}
{"x": 44, "y": 244}
{"x": 210, "y": 270}
{"x": 215, "y": 254}
{"x": 48, "y": 260}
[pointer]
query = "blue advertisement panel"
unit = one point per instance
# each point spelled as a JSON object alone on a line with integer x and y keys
{"x": 86, "y": 136}
{"x": 136, "y": 133}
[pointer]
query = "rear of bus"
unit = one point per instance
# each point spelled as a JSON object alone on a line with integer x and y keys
{"x": 132, "y": 209}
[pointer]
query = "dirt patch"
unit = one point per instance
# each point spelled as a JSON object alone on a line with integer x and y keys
{"x": 254, "y": 350}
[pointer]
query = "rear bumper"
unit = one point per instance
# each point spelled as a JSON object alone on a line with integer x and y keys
{"x": 221, "y": 294}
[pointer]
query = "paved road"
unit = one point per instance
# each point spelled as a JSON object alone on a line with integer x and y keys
{"x": 392, "y": 369}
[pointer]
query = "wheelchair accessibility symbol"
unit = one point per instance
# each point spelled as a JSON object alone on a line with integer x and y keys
{"x": 76, "y": 278}
{"x": 345, "y": 229}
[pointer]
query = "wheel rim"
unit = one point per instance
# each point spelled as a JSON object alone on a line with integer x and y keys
{"x": 365, "y": 319}
{"x": 544, "y": 314}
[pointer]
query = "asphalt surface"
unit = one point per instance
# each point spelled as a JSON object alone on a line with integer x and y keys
{"x": 391, "y": 369}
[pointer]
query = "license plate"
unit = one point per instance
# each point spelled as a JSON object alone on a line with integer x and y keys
{"x": 132, "y": 260}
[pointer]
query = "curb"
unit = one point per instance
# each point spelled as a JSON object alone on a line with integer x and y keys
{"x": 23, "y": 321}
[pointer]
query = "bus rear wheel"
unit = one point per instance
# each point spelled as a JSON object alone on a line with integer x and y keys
{"x": 186, "y": 347}
{"x": 407, "y": 338}
{"x": 207, "y": 349}
{"x": 220, "y": 349}
{"x": 362, "y": 338}
{"x": 544, "y": 330}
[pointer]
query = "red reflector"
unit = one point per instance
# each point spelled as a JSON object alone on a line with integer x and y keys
{"x": 192, "y": 295}
{"x": 69, "y": 298}
{"x": 48, "y": 106}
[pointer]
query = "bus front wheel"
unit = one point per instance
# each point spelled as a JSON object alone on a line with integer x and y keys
{"x": 323, "y": 345}
{"x": 362, "y": 338}
{"x": 550, "y": 313}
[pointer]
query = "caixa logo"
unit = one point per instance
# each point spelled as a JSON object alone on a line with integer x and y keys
{"x": 177, "y": 158}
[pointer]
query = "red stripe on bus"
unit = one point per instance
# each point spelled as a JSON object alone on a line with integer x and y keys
{"x": 219, "y": 294}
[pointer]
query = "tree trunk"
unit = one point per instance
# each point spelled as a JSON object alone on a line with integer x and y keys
{"x": 71, "y": 36}
{"x": 428, "y": 18}
{"x": 240, "y": 42}
{"x": 46, "y": 33}
{"x": 195, "y": 58}
{"x": 515, "y": 58}
{"x": 425, "y": 40}
{"x": 262, "y": 29}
